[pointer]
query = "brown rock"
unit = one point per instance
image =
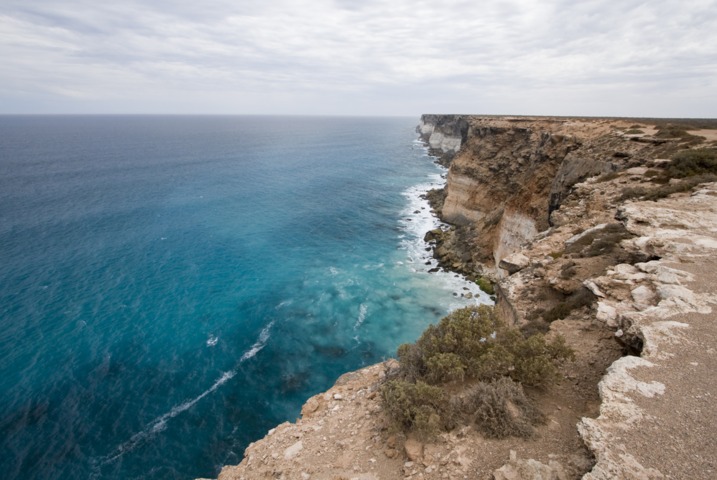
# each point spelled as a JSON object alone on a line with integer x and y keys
{"x": 414, "y": 449}
{"x": 391, "y": 453}
{"x": 514, "y": 263}
{"x": 311, "y": 406}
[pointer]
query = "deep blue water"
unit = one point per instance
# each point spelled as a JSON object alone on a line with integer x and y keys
{"x": 173, "y": 287}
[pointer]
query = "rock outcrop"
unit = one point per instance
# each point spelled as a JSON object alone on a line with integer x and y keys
{"x": 511, "y": 173}
{"x": 444, "y": 135}
{"x": 544, "y": 206}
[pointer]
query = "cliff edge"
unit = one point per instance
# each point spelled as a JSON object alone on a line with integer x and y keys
{"x": 591, "y": 231}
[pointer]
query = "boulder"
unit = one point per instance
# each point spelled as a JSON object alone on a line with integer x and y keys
{"x": 529, "y": 470}
{"x": 293, "y": 450}
{"x": 414, "y": 449}
{"x": 514, "y": 263}
{"x": 433, "y": 235}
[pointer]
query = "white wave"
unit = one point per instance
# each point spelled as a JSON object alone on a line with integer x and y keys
{"x": 376, "y": 266}
{"x": 284, "y": 303}
{"x": 160, "y": 423}
{"x": 421, "y": 221}
{"x": 259, "y": 344}
{"x": 361, "y": 316}
{"x": 419, "y": 257}
{"x": 212, "y": 340}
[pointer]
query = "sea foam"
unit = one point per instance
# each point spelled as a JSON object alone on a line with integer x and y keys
{"x": 160, "y": 423}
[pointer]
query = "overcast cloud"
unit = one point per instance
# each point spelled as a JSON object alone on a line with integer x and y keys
{"x": 360, "y": 57}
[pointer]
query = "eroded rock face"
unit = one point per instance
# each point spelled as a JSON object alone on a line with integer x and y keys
{"x": 663, "y": 309}
{"x": 444, "y": 135}
{"x": 512, "y": 174}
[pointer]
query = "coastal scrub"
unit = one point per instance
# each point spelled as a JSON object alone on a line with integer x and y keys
{"x": 483, "y": 361}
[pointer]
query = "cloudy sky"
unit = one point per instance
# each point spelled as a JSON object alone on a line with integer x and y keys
{"x": 360, "y": 57}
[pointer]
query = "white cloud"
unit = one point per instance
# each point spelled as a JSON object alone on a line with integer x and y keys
{"x": 348, "y": 57}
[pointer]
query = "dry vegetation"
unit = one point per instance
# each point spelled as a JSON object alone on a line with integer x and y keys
{"x": 470, "y": 368}
{"x": 687, "y": 169}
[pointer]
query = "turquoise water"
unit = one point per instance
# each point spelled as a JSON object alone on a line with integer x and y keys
{"x": 173, "y": 287}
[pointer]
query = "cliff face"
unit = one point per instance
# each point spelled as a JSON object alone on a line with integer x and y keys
{"x": 444, "y": 135}
{"x": 510, "y": 174}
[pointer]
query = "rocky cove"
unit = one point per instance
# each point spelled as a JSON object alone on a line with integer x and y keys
{"x": 586, "y": 231}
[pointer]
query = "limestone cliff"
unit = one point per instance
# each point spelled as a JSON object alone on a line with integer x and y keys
{"x": 592, "y": 240}
{"x": 511, "y": 173}
{"x": 444, "y": 135}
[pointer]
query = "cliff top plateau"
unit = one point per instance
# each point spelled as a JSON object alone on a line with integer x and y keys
{"x": 602, "y": 232}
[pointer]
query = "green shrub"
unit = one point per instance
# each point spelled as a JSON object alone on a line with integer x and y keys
{"x": 535, "y": 358}
{"x": 673, "y": 131}
{"x": 664, "y": 190}
{"x": 686, "y": 185}
{"x": 417, "y": 407}
{"x": 485, "y": 285}
{"x": 688, "y": 163}
{"x": 472, "y": 343}
{"x": 499, "y": 409}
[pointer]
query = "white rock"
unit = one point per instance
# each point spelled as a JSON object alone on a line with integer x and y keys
{"x": 590, "y": 285}
{"x": 642, "y": 295}
{"x": 587, "y": 232}
{"x": 607, "y": 313}
{"x": 514, "y": 263}
{"x": 293, "y": 450}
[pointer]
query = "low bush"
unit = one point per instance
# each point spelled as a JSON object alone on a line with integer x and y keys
{"x": 417, "y": 407}
{"x": 485, "y": 285}
{"x": 673, "y": 131}
{"x": 689, "y": 163}
{"x": 499, "y": 409}
{"x": 686, "y": 185}
{"x": 473, "y": 344}
{"x": 664, "y": 190}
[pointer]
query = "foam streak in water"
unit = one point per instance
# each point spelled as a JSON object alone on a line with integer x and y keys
{"x": 259, "y": 344}
{"x": 160, "y": 423}
{"x": 361, "y": 316}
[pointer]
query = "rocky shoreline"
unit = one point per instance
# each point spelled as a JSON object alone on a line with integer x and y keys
{"x": 559, "y": 213}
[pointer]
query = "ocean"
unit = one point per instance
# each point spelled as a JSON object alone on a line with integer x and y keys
{"x": 172, "y": 287}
